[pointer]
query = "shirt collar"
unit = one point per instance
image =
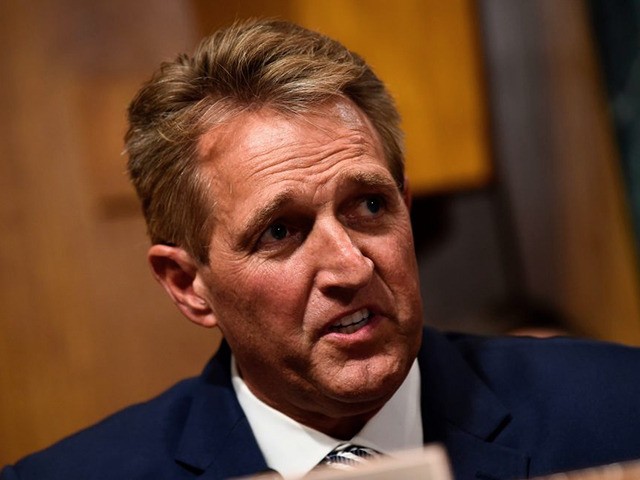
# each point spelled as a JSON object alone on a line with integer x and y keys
{"x": 397, "y": 426}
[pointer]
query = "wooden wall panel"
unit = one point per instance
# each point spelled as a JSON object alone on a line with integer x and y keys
{"x": 84, "y": 328}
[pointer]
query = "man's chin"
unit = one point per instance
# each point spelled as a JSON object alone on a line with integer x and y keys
{"x": 366, "y": 385}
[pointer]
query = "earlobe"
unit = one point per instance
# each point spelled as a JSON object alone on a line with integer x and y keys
{"x": 180, "y": 276}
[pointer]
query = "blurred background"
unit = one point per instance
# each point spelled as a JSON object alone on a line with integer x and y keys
{"x": 523, "y": 137}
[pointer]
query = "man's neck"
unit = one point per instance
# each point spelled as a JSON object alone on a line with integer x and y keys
{"x": 343, "y": 428}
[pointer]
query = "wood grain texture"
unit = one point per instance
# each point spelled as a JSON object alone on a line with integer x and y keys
{"x": 85, "y": 330}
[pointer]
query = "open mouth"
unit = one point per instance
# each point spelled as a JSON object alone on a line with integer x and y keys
{"x": 352, "y": 323}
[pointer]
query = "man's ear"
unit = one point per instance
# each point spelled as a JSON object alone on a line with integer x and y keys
{"x": 406, "y": 193}
{"x": 181, "y": 278}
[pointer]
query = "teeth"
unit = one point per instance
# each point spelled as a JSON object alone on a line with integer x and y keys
{"x": 353, "y": 322}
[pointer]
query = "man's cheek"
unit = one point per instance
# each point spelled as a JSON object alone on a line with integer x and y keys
{"x": 285, "y": 288}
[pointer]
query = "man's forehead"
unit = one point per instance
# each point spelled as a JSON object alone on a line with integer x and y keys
{"x": 343, "y": 182}
{"x": 267, "y": 161}
{"x": 253, "y": 128}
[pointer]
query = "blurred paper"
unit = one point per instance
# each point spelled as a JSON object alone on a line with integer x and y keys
{"x": 615, "y": 471}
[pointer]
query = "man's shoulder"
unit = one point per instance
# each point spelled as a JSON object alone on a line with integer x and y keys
{"x": 571, "y": 402}
{"x": 186, "y": 430}
{"x": 558, "y": 364}
{"x": 530, "y": 369}
{"x": 590, "y": 387}
{"x": 534, "y": 357}
{"x": 532, "y": 345}
{"x": 132, "y": 438}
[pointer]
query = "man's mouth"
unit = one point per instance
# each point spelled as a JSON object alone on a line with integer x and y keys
{"x": 352, "y": 323}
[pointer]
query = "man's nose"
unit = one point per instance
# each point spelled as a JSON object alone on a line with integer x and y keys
{"x": 341, "y": 265}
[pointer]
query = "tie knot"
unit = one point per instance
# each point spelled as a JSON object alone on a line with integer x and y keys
{"x": 347, "y": 455}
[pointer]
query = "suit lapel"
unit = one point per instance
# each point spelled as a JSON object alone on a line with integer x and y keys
{"x": 216, "y": 438}
{"x": 461, "y": 412}
{"x": 474, "y": 458}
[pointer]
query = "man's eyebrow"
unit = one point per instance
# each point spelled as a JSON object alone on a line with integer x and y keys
{"x": 368, "y": 179}
{"x": 260, "y": 218}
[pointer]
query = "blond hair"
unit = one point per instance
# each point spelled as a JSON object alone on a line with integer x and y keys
{"x": 249, "y": 65}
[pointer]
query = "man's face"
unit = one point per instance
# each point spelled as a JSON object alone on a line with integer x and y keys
{"x": 312, "y": 275}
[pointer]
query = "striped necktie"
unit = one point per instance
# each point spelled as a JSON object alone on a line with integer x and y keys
{"x": 347, "y": 456}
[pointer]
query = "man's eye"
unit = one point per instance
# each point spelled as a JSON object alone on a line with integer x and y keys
{"x": 371, "y": 206}
{"x": 276, "y": 232}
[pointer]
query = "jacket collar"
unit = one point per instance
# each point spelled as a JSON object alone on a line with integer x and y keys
{"x": 216, "y": 436}
{"x": 462, "y": 413}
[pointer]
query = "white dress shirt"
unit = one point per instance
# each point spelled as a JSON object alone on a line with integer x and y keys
{"x": 293, "y": 449}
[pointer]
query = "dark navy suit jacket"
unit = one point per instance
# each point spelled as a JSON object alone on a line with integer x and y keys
{"x": 505, "y": 408}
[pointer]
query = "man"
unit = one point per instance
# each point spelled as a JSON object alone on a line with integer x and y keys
{"x": 270, "y": 170}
